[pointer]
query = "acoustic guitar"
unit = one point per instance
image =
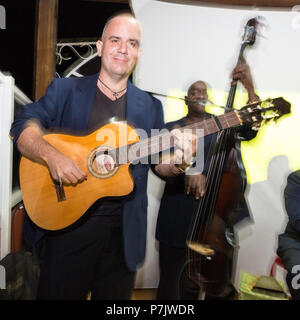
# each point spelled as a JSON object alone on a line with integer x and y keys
{"x": 106, "y": 155}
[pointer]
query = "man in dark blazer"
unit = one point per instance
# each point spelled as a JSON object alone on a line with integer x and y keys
{"x": 102, "y": 254}
{"x": 180, "y": 199}
{"x": 289, "y": 241}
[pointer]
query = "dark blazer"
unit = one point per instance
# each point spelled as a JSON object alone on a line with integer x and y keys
{"x": 67, "y": 105}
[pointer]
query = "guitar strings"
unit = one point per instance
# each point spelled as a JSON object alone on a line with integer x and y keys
{"x": 150, "y": 143}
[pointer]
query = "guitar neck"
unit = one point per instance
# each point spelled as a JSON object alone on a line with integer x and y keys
{"x": 165, "y": 140}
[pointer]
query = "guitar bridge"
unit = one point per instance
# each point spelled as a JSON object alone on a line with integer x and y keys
{"x": 60, "y": 191}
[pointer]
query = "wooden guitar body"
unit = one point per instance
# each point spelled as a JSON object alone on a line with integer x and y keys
{"x": 55, "y": 207}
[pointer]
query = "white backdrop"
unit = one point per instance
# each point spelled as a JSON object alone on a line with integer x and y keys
{"x": 187, "y": 42}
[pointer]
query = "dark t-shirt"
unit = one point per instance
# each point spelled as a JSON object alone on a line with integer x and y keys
{"x": 104, "y": 109}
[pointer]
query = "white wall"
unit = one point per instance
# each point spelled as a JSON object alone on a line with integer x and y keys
{"x": 6, "y": 117}
{"x": 9, "y": 95}
{"x": 187, "y": 42}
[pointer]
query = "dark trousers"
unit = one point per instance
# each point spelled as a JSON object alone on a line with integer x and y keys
{"x": 174, "y": 283}
{"x": 88, "y": 258}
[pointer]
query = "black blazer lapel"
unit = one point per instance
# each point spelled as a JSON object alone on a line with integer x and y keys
{"x": 135, "y": 111}
{"x": 85, "y": 96}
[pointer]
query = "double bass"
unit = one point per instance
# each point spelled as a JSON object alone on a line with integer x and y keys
{"x": 210, "y": 241}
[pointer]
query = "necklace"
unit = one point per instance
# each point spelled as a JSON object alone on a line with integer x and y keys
{"x": 115, "y": 93}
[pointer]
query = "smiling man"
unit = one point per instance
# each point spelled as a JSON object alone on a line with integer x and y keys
{"x": 119, "y": 50}
{"x": 102, "y": 253}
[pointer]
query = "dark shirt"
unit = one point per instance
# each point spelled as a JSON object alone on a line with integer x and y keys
{"x": 104, "y": 109}
{"x": 177, "y": 208}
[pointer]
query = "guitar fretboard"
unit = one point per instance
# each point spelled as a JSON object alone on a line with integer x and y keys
{"x": 165, "y": 140}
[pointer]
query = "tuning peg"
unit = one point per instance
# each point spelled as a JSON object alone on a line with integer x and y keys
{"x": 255, "y": 128}
{"x": 270, "y": 116}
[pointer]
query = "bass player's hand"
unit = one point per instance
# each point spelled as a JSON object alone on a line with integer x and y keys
{"x": 195, "y": 184}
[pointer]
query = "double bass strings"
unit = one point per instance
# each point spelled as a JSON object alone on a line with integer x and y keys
{"x": 217, "y": 167}
{"x": 199, "y": 219}
{"x": 213, "y": 182}
{"x": 207, "y": 204}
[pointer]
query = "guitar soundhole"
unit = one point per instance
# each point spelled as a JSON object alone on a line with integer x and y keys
{"x": 101, "y": 162}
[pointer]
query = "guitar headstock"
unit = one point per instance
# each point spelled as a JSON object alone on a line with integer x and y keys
{"x": 260, "y": 112}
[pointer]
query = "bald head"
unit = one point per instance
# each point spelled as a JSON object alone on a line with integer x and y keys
{"x": 121, "y": 15}
{"x": 198, "y": 87}
{"x": 119, "y": 47}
